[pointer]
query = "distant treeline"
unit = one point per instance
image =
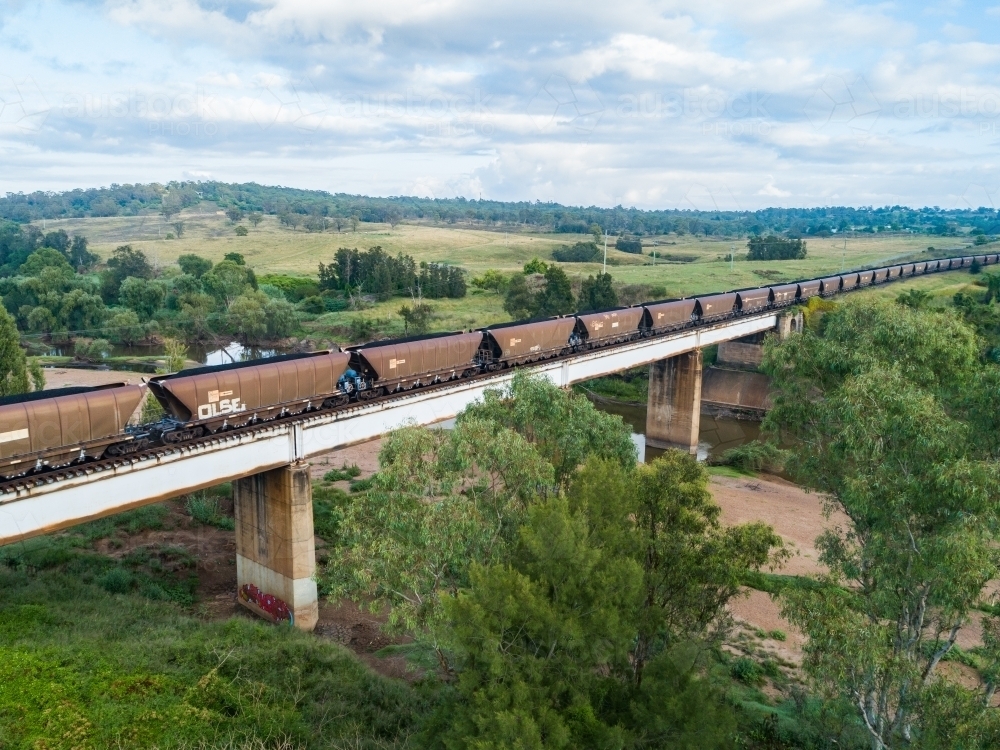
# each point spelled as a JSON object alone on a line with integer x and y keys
{"x": 341, "y": 208}
{"x": 376, "y": 272}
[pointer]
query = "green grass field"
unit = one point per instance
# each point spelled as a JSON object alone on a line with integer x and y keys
{"x": 273, "y": 248}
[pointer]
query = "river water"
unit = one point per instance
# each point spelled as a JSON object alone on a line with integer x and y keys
{"x": 717, "y": 434}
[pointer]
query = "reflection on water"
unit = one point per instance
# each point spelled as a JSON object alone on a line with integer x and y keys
{"x": 716, "y": 435}
{"x": 201, "y": 353}
{"x": 235, "y": 352}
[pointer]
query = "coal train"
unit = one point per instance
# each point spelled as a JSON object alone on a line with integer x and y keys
{"x": 50, "y": 429}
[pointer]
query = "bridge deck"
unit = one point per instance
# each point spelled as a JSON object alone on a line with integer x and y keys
{"x": 35, "y": 506}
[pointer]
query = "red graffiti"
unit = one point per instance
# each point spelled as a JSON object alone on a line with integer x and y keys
{"x": 268, "y": 603}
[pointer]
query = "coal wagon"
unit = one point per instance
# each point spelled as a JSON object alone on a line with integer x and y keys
{"x": 207, "y": 399}
{"x": 517, "y": 343}
{"x": 64, "y": 425}
{"x": 402, "y": 364}
{"x": 609, "y": 326}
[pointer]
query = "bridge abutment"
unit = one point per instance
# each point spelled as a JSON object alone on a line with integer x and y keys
{"x": 275, "y": 546}
{"x": 673, "y": 411}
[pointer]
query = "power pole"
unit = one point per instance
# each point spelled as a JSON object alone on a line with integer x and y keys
{"x": 605, "y": 254}
{"x": 732, "y": 257}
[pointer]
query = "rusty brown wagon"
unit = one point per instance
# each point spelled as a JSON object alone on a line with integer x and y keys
{"x": 907, "y": 269}
{"x": 233, "y": 395}
{"x": 715, "y": 306}
{"x": 879, "y": 275}
{"x": 58, "y": 427}
{"x": 831, "y": 284}
{"x": 517, "y": 343}
{"x": 667, "y": 315}
{"x": 865, "y": 278}
{"x": 752, "y": 300}
{"x": 609, "y": 326}
{"x": 895, "y": 272}
{"x": 402, "y": 364}
{"x": 919, "y": 268}
{"x": 810, "y": 288}
{"x": 786, "y": 294}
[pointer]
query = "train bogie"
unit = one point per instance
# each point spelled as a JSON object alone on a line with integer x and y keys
{"x": 57, "y": 427}
{"x": 232, "y": 395}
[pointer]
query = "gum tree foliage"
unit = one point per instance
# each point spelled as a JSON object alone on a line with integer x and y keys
{"x": 125, "y": 261}
{"x": 773, "y": 247}
{"x": 142, "y": 297}
{"x": 519, "y": 301}
{"x": 13, "y": 363}
{"x": 227, "y": 281}
{"x": 194, "y": 265}
{"x": 894, "y": 418}
{"x": 255, "y": 318}
{"x": 444, "y": 499}
{"x": 593, "y": 632}
{"x": 564, "y": 428}
{"x": 441, "y": 499}
{"x": 374, "y": 271}
{"x": 597, "y": 293}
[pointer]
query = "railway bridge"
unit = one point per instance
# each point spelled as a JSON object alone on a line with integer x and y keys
{"x": 271, "y": 481}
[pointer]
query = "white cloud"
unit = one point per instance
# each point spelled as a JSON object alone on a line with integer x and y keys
{"x": 652, "y": 102}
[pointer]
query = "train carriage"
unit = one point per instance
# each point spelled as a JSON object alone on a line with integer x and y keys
{"x": 60, "y": 426}
{"x": 832, "y": 285}
{"x": 609, "y": 326}
{"x": 402, "y": 364}
{"x": 668, "y": 315}
{"x": 919, "y": 268}
{"x": 517, "y": 343}
{"x": 753, "y": 300}
{"x": 865, "y": 278}
{"x": 715, "y": 306}
{"x": 785, "y": 294}
{"x": 880, "y": 275}
{"x": 232, "y": 395}
{"x": 895, "y": 272}
{"x": 810, "y": 288}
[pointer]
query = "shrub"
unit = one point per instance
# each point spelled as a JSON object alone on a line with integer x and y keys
{"x": 629, "y": 245}
{"x": 116, "y": 581}
{"x": 315, "y": 305}
{"x": 777, "y": 635}
{"x": 755, "y": 456}
{"x": 205, "y": 510}
{"x": 747, "y": 671}
{"x": 343, "y": 474}
{"x": 581, "y": 252}
{"x": 773, "y": 247}
{"x": 242, "y": 231}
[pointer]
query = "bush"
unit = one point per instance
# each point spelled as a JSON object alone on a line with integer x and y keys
{"x": 773, "y": 247}
{"x": 747, "y": 671}
{"x": 343, "y": 474}
{"x": 581, "y": 252}
{"x": 755, "y": 456}
{"x": 629, "y": 245}
{"x": 777, "y": 635}
{"x": 205, "y": 510}
{"x": 241, "y": 231}
{"x": 315, "y": 305}
{"x": 91, "y": 350}
{"x": 116, "y": 581}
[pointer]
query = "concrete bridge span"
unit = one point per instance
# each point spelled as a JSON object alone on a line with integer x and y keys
{"x": 266, "y": 463}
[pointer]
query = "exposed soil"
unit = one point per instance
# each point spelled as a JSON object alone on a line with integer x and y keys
{"x": 64, "y": 377}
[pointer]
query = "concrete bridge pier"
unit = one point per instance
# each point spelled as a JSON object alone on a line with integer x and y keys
{"x": 275, "y": 548}
{"x": 673, "y": 412}
{"x": 789, "y": 323}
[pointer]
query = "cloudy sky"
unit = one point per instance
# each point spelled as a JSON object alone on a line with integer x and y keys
{"x": 707, "y": 104}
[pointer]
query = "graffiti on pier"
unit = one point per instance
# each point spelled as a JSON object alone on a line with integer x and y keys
{"x": 268, "y": 604}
